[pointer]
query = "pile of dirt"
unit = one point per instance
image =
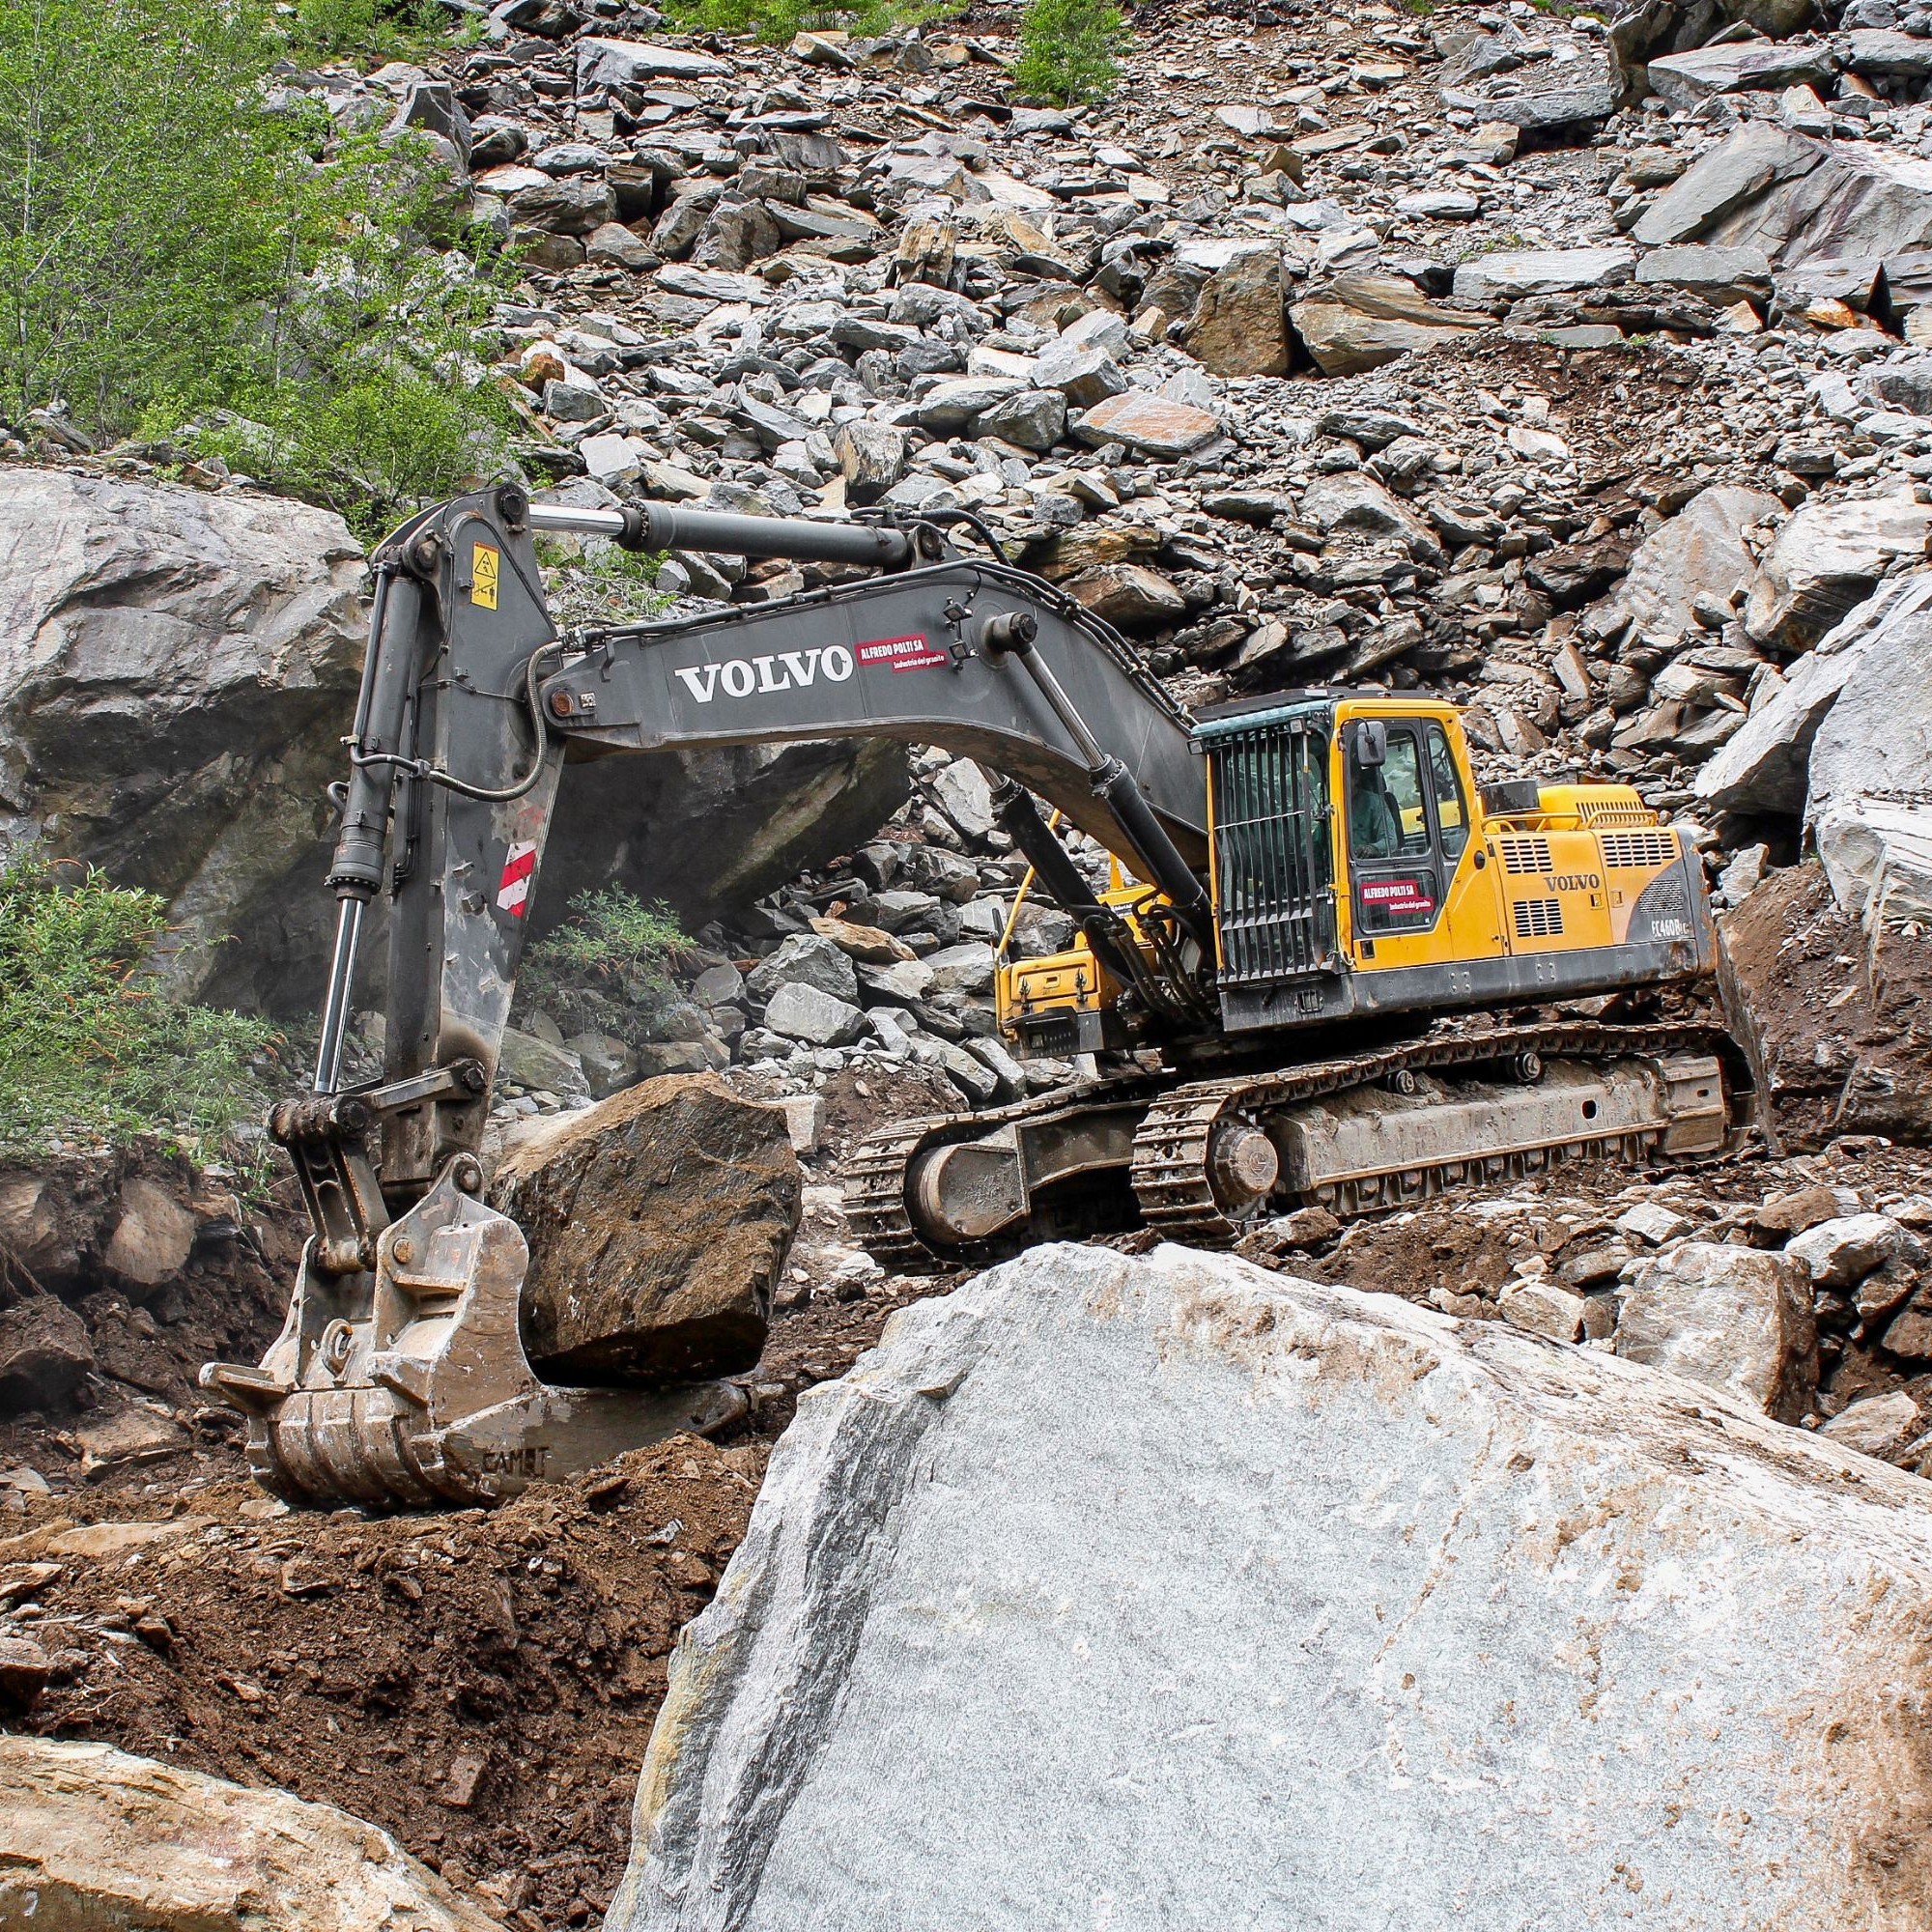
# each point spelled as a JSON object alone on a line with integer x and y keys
{"x": 1838, "y": 1023}
{"x": 480, "y": 1683}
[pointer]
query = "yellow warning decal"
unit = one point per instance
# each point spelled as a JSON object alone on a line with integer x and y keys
{"x": 485, "y": 565}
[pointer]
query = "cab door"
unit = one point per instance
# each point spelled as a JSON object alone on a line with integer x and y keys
{"x": 1397, "y": 865}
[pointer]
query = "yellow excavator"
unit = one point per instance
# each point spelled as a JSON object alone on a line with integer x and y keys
{"x": 1325, "y": 971}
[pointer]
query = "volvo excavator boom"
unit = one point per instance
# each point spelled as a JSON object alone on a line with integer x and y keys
{"x": 400, "y": 1377}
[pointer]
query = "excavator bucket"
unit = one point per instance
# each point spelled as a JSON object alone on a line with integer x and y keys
{"x": 405, "y": 1384}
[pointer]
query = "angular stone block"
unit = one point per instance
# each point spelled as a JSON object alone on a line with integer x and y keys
{"x": 658, "y": 1221}
{"x": 1166, "y": 1592}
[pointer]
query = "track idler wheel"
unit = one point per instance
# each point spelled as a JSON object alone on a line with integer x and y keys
{"x": 1243, "y": 1167}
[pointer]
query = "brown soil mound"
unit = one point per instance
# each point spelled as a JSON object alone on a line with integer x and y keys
{"x": 482, "y": 1685}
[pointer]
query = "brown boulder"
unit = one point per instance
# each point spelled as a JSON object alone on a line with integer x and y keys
{"x": 1240, "y": 326}
{"x": 44, "y": 1352}
{"x": 1128, "y": 594}
{"x": 94, "y": 1840}
{"x": 658, "y": 1222}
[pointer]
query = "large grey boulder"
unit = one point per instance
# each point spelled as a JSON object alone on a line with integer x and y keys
{"x": 1796, "y": 198}
{"x": 1735, "y": 1317}
{"x": 176, "y": 669}
{"x": 819, "y": 1018}
{"x": 1508, "y": 275}
{"x": 1685, "y": 80}
{"x": 1166, "y": 1592}
{"x": 806, "y": 959}
{"x": 1720, "y": 275}
{"x": 1541, "y": 98}
{"x": 1826, "y": 560}
{"x": 606, "y": 63}
{"x": 1876, "y": 850}
{"x": 1870, "y": 769}
{"x": 1698, "y": 555}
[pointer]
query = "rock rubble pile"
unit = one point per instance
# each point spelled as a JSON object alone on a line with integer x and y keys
{"x": 1573, "y": 370}
{"x": 1569, "y": 369}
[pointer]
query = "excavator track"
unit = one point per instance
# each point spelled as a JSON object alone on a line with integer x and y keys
{"x": 1173, "y": 1149}
{"x": 875, "y": 1174}
{"x": 1171, "y": 1175}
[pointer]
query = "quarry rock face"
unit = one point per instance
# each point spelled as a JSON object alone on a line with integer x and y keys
{"x": 1137, "y": 1591}
{"x": 94, "y": 1840}
{"x": 658, "y": 1221}
{"x": 175, "y": 667}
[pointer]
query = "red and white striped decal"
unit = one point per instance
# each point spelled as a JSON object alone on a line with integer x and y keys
{"x": 513, "y": 893}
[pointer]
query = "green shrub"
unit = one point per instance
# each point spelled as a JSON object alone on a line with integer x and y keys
{"x": 607, "y": 969}
{"x": 382, "y": 30}
{"x": 1069, "y": 50}
{"x": 596, "y": 582}
{"x": 182, "y": 246}
{"x": 776, "y": 22}
{"x": 88, "y": 1051}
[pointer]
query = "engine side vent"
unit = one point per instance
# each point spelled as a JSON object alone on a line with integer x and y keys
{"x": 1539, "y": 919}
{"x": 1637, "y": 851}
{"x": 1524, "y": 855}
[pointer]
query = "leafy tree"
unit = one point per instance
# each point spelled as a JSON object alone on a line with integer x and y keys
{"x": 183, "y": 240}
{"x": 90, "y": 1051}
{"x": 1069, "y": 50}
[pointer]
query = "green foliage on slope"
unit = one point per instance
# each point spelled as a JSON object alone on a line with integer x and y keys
{"x": 1069, "y": 50}
{"x": 607, "y": 969}
{"x": 88, "y": 1051}
{"x": 185, "y": 243}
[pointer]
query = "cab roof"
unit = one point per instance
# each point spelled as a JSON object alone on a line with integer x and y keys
{"x": 1315, "y": 703}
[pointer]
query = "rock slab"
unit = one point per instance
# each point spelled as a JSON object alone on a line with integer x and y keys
{"x": 94, "y": 1840}
{"x": 1165, "y": 1591}
{"x": 658, "y": 1221}
{"x": 1734, "y": 1318}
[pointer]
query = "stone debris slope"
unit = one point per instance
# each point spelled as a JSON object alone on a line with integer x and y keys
{"x": 1354, "y": 1612}
{"x": 1451, "y": 353}
{"x": 1435, "y": 353}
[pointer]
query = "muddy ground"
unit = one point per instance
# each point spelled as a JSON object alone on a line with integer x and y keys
{"x": 483, "y": 1684}
{"x": 480, "y": 1683}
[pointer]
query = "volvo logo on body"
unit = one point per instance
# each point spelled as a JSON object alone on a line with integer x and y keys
{"x": 779, "y": 671}
{"x": 1578, "y": 882}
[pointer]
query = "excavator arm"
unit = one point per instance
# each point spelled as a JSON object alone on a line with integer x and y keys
{"x": 399, "y": 1375}
{"x": 474, "y": 706}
